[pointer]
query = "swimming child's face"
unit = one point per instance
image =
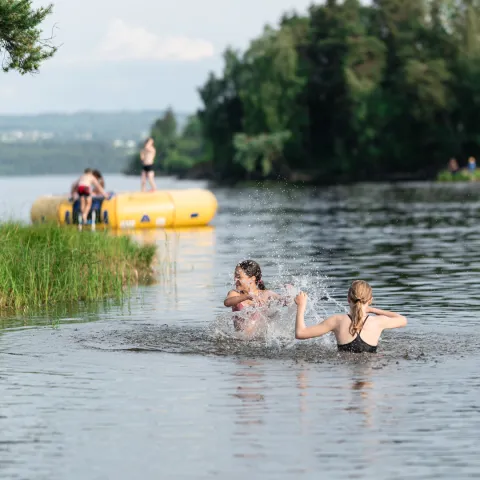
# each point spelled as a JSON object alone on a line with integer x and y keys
{"x": 242, "y": 281}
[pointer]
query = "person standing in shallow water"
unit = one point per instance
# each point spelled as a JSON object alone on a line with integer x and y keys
{"x": 472, "y": 167}
{"x": 250, "y": 293}
{"x": 147, "y": 157}
{"x": 356, "y": 332}
{"x": 453, "y": 167}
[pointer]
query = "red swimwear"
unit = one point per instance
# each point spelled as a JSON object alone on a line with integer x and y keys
{"x": 83, "y": 190}
{"x": 237, "y": 307}
{"x": 239, "y": 322}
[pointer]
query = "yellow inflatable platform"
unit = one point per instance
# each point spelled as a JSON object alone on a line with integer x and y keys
{"x": 160, "y": 209}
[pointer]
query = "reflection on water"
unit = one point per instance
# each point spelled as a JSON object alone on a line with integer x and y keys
{"x": 56, "y": 314}
{"x": 185, "y": 257}
{"x": 249, "y": 413}
{"x": 358, "y": 393}
{"x": 163, "y": 385}
{"x": 361, "y": 400}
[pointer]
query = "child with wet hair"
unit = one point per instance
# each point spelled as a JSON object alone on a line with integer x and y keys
{"x": 359, "y": 330}
{"x": 250, "y": 292}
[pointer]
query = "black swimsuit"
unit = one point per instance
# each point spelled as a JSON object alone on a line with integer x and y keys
{"x": 357, "y": 345}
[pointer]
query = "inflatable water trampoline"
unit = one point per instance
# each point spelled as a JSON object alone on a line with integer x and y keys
{"x": 160, "y": 209}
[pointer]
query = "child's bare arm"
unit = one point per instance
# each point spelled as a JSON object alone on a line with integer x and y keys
{"x": 234, "y": 298}
{"x": 302, "y": 332}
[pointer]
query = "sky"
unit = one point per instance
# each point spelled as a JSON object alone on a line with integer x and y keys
{"x": 136, "y": 54}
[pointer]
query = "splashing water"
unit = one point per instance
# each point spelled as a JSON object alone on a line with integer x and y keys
{"x": 282, "y": 271}
{"x": 275, "y": 323}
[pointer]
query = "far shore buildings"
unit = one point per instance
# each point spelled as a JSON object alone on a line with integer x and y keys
{"x": 36, "y": 136}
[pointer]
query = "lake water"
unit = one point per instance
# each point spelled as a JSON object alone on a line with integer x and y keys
{"x": 159, "y": 387}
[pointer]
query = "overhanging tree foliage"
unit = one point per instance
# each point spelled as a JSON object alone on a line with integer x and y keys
{"x": 22, "y": 47}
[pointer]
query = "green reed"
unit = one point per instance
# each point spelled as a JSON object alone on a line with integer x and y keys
{"x": 460, "y": 176}
{"x": 46, "y": 264}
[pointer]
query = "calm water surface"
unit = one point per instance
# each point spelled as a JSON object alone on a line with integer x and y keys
{"x": 159, "y": 387}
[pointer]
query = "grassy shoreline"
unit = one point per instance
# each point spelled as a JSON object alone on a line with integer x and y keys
{"x": 460, "y": 176}
{"x": 46, "y": 264}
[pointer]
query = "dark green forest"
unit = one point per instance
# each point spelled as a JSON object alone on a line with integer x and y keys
{"x": 347, "y": 92}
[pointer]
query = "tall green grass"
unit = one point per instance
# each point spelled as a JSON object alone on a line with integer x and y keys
{"x": 46, "y": 264}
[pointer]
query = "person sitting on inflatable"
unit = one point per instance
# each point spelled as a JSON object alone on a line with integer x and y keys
{"x": 84, "y": 187}
{"x": 98, "y": 175}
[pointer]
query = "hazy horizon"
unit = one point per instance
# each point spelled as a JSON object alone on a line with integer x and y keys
{"x": 97, "y": 112}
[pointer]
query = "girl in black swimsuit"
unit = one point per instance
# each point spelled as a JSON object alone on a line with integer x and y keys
{"x": 352, "y": 331}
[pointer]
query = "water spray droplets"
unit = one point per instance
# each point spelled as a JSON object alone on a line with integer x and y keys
{"x": 275, "y": 323}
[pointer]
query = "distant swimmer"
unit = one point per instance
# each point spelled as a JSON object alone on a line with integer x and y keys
{"x": 356, "y": 332}
{"x": 84, "y": 187}
{"x": 453, "y": 167}
{"x": 472, "y": 164}
{"x": 249, "y": 295}
{"x": 147, "y": 156}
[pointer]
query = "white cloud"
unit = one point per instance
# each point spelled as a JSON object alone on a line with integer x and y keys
{"x": 125, "y": 42}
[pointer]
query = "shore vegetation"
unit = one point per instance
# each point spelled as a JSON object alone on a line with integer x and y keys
{"x": 42, "y": 265}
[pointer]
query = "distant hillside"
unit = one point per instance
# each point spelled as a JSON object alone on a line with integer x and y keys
{"x": 59, "y": 158}
{"x": 67, "y": 143}
{"x": 99, "y": 126}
